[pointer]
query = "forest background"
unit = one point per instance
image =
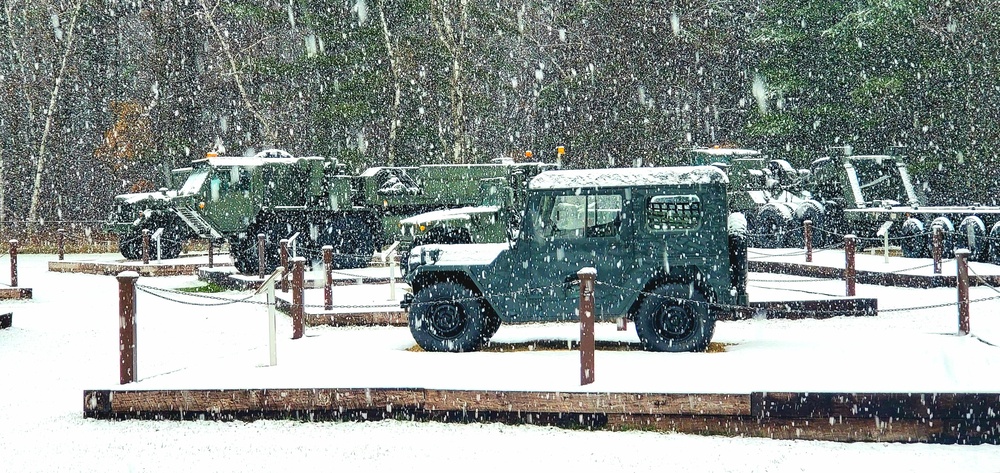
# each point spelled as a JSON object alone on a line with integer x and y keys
{"x": 101, "y": 97}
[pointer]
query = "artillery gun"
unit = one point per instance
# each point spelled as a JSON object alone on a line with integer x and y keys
{"x": 847, "y": 194}
{"x": 280, "y": 196}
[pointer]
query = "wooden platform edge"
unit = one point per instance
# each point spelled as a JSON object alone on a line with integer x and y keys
{"x": 6, "y": 320}
{"x": 867, "y": 277}
{"x": 964, "y": 418}
{"x": 16, "y": 293}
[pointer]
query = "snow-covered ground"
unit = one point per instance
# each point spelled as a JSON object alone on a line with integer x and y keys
{"x": 65, "y": 340}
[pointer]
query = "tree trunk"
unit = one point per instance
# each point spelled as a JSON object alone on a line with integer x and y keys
{"x": 269, "y": 136}
{"x": 36, "y": 187}
{"x": 397, "y": 87}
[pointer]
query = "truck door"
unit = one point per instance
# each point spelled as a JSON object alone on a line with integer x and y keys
{"x": 577, "y": 230}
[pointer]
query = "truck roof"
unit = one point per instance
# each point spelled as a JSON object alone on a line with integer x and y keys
{"x": 624, "y": 177}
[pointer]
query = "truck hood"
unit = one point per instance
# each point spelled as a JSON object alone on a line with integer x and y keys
{"x": 463, "y": 213}
{"x": 458, "y": 255}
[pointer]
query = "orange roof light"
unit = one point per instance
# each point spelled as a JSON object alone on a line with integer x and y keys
{"x": 527, "y": 154}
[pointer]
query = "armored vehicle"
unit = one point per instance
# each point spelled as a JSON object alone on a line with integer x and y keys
{"x": 496, "y": 219}
{"x": 236, "y": 198}
{"x": 311, "y": 200}
{"x": 667, "y": 252}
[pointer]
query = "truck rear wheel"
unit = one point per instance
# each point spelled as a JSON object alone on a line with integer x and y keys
{"x": 670, "y": 319}
{"x": 130, "y": 245}
{"x": 450, "y": 317}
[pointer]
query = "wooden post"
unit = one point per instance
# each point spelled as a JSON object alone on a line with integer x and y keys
{"x": 62, "y": 244}
{"x": 328, "y": 279}
{"x": 283, "y": 244}
{"x": 211, "y": 252}
{"x": 261, "y": 261}
{"x": 937, "y": 247}
{"x": 145, "y": 246}
{"x": 127, "y": 361}
{"x": 962, "y": 258}
{"x": 807, "y": 232}
{"x": 298, "y": 296}
{"x": 587, "y": 277}
{"x": 13, "y": 263}
{"x": 849, "y": 272}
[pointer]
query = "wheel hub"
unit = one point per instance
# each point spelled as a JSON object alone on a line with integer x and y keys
{"x": 447, "y": 320}
{"x": 674, "y": 322}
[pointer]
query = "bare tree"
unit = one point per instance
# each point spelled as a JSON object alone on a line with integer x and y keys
{"x": 207, "y": 14}
{"x": 397, "y": 87}
{"x": 451, "y": 21}
{"x": 36, "y": 187}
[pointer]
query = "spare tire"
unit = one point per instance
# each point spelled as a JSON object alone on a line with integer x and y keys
{"x": 773, "y": 222}
{"x": 913, "y": 242}
{"x": 971, "y": 235}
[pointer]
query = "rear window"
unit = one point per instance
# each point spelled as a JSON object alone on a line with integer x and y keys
{"x": 673, "y": 212}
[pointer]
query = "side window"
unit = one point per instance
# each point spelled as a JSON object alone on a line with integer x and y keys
{"x": 673, "y": 212}
{"x": 583, "y": 216}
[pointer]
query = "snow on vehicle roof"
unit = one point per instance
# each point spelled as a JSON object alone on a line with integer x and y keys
{"x": 621, "y": 177}
{"x": 727, "y": 151}
{"x": 463, "y": 213}
{"x": 255, "y": 160}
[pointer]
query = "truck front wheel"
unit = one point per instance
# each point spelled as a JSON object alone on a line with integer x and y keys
{"x": 447, "y": 316}
{"x": 671, "y": 319}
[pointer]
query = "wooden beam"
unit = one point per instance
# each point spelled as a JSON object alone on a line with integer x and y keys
{"x": 970, "y": 418}
{"x": 15, "y": 293}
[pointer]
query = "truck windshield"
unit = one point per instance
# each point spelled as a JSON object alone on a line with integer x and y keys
{"x": 194, "y": 182}
{"x": 879, "y": 179}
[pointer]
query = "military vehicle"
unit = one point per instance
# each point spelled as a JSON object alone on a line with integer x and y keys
{"x": 846, "y": 194}
{"x": 769, "y": 192}
{"x": 667, "y": 252}
{"x": 281, "y": 196}
{"x": 496, "y": 219}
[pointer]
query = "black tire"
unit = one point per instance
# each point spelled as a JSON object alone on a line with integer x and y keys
{"x": 449, "y": 317}
{"x": 812, "y": 211}
{"x": 971, "y": 235}
{"x": 673, "y": 320}
{"x": 994, "y": 251}
{"x": 170, "y": 246}
{"x": 130, "y": 245}
{"x": 947, "y": 237}
{"x": 773, "y": 223}
{"x": 353, "y": 242}
{"x": 913, "y": 242}
{"x": 244, "y": 253}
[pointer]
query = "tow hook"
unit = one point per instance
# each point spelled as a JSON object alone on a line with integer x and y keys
{"x": 407, "y": 301}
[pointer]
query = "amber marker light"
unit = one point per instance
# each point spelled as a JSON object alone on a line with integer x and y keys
{"x": 201, "y": 205}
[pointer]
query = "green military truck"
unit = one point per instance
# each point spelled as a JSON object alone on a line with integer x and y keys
{"x": 496, "y": 219}
{"x": 311, "y": 200}
{"x": 668, "y": 256}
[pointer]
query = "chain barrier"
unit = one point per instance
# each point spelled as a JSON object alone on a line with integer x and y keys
{"x": 982, "y": 281}
{"x": 793, "y": 290}
{"x": 156, "y": 291}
